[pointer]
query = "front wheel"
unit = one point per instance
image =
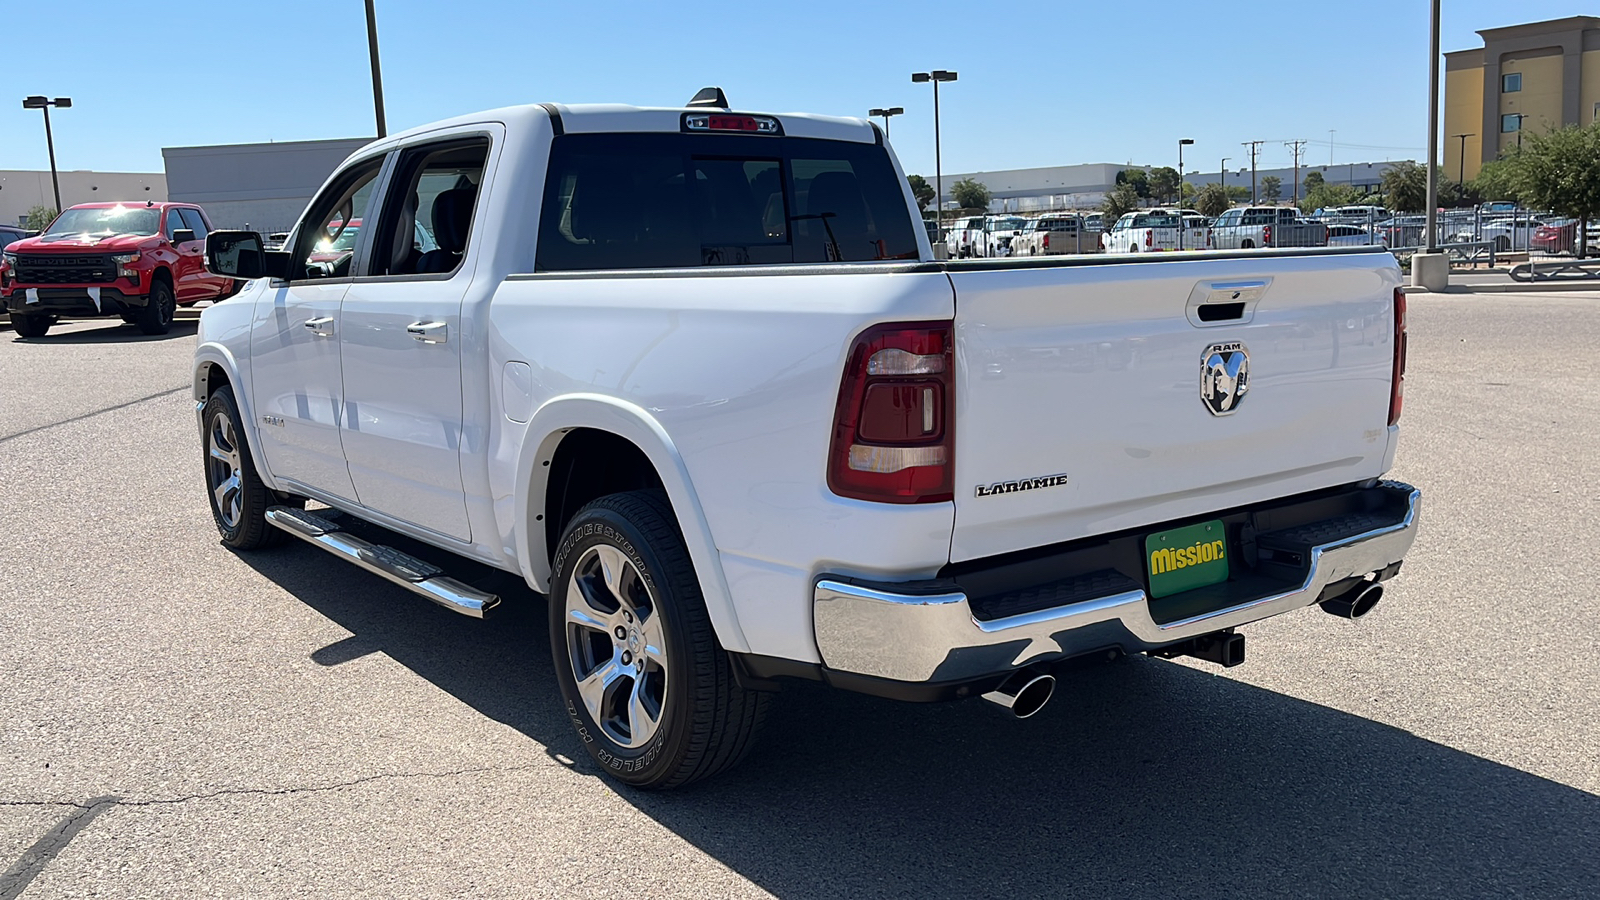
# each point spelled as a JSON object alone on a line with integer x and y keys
{"x": 239, "y": 499}
{"x": 30, "y": 325}
{"x": 159, "y": 309}
{"x": 649, "y": 690}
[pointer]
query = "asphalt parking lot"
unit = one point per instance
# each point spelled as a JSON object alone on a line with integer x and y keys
{"x": 177, "y": 720}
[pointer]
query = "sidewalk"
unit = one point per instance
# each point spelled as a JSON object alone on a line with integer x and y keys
{"x": 1499, "y": 282}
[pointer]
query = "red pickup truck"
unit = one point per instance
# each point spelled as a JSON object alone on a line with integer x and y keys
{"x": 138, "y": 261}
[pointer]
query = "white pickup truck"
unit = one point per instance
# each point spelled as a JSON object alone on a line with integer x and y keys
{"x": 696, "y": 376}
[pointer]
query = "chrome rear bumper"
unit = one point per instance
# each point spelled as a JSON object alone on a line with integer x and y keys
{"x": 934, "y": 637}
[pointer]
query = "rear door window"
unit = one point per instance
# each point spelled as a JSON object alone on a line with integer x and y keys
{"x": 631, "y": 201}
{"x": 196, "y": 222}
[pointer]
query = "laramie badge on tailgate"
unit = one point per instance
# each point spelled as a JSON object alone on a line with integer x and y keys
{"x": 1224, "y": 376}
{"x": 1021, "y": 484}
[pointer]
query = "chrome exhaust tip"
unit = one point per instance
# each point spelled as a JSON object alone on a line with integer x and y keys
{"x": 1023, "y": 693}
{"x": 1356, "y": 602}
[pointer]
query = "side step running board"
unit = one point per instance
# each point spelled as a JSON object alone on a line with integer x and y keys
{"x": 403, "y": 569}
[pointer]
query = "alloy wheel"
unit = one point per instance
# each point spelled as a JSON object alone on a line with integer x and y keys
{"x": 616, "y": 646}
{"x": 224, "y": 470}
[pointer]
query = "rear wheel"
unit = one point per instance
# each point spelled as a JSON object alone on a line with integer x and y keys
{"x": 1247, "y": 245}
{"x": 648, "y": 688}
{"x": 31, "y": 325}
{"x": 162, "y": 305}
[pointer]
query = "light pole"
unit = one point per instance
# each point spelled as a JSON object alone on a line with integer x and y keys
{"x": 936, "y": 76}
{"x": 377, "y": 76}
{"x": 1182, "y": 142}
{"x": 44, "y": 103}
{"x": 886, "y": 112}
{"x": 1223, "y": 170}
{"x": 1461, "y": 170}
{"x": 1432, "y": 221}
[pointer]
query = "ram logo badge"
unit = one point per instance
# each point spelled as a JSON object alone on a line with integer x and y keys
{"x": 1021, "y": 484}
{"x": 1224, "y": 377}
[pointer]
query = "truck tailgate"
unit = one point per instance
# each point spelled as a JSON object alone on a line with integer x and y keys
{"x": 1093, "y": 371}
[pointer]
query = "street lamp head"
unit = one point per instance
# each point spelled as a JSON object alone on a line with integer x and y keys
{"x": 63, "y": 102}
{"x": 1184, "y": 142}
{"x": 916, "y": 78}
{"x": 894, "y": 111}
{"x": 35, "y": 102}
{"x": 877, "y": 112}
{"x": 942, "y": 75}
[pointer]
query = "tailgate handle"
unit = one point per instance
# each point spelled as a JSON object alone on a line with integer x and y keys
{"x": 1213, "y": 303}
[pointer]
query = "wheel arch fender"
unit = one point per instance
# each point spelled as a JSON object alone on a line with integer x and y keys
{"x": 549, "y": 425}
{"x": 211, "y": 360}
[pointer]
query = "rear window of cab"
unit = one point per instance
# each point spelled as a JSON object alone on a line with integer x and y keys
{"x": 632, "y": 201}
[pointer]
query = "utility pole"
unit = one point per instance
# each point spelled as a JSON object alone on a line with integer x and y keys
{"x": 1297, "y": 147}
{"x": 1255, "y": 148}
{"x": 377, "y": 77}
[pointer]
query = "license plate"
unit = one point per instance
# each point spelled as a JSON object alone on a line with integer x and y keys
{"x": 1186, "y": 558}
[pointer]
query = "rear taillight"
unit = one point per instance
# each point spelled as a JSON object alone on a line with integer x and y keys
{"x": 1047, "y": 240}
{"x": 1149, "y": 237}
{"x": 893, "y": 435}
{"x": 1208, "y": 239}
{"x": 1397, "y": 384}
{"x": 1266, "y": 235}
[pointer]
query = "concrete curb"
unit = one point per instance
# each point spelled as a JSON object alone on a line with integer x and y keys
{"x": 1537, "y": 287}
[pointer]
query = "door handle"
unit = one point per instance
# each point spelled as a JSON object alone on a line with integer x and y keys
{"x": 321, "y": 326}
{"x": 428, "y": 332}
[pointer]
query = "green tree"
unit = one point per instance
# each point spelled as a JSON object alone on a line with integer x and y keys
{"x": 1123, "y": 198}
{"x": 1137, "y": 178}
{"x": 1497, "y": 180}
{"x": 1272, "y": 187}
{"x": 1212, "y": 201}
{"x": 971, "y": 194}
{"x": 40, "y": 217}
{"x": 1238, "y": 193}
{"x": 921, "y": 189}
{"x": 1560, "y": 171}
{"x": 1163, "y": 183}
{"x": 1189, "y": 192}
{"x": 1312, "y": 179}
{"x": 1323, "y": 195}
{"x": 1405, "y": 185}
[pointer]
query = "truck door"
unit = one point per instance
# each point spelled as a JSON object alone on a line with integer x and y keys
{"x": 294, "y": 344}
{"x": 401, "y": 337}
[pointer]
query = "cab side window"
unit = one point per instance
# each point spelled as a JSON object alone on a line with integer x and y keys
{"x": 174, "y": 222}
{"x": 428, "y": 209}
{"x": 325, "y": 244}
{"x": 194, "y": 222}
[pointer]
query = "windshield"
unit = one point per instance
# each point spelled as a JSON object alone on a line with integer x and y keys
{"x": 107, "y": 220}
{"x": 1157, "y": 220}
{"x": 1008, "y": 224}
{"x": 346, "y": 240}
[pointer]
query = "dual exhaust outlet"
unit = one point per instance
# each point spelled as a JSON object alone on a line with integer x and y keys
{"x": 1026, "y": 691}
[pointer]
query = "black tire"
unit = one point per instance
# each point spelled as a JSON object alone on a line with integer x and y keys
{"x": 156, "y": 317}
{"x": 1247, "y": 244}
{"x": 249, "y": 530}
{"x": 1502, "y": 244}
{"x": 706, "y": 722}
{"x": 31, "y": 326}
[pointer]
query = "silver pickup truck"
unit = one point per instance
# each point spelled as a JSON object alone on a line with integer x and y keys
{"x": 1250, "y": 227}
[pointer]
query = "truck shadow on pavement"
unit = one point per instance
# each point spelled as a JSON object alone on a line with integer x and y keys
{"x": 1142, "y": 778}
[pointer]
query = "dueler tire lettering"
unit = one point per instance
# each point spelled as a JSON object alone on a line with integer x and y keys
{"x": 708, "y": 723}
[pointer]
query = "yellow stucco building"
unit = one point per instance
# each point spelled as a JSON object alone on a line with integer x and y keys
{"x": 1525, "y": 77}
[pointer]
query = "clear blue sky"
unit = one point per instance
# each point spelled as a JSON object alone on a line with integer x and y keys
{"x": 1125, "y": 79}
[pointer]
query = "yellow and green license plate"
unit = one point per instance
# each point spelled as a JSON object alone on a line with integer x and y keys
{"x": 1186, "y": 558}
